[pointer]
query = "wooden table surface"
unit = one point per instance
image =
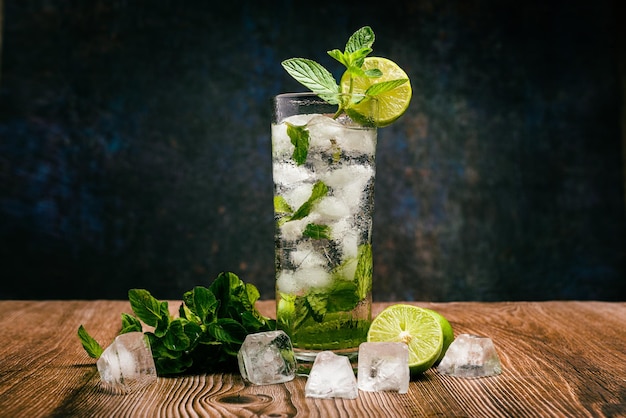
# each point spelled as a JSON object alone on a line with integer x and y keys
{"x": 561, "y": 359}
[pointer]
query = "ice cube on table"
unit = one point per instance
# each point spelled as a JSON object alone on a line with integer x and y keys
{"x": 471, "y": 356}
{"x": 383, "y": 366}
{"x": 127, "y": 364}
{"x": 331, "y": 376}
{"x": 266, "y": 358}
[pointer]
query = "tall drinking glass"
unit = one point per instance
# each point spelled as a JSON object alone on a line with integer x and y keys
{"x": 323, "y": 169}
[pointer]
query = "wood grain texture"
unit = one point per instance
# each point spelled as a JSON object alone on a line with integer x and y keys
{"x": 560, "y": 359}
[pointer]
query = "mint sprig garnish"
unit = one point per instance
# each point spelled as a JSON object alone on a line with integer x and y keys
{"x": 207, "y": 334}
{"x": 357, "y": 48}
{"x": 319, "y": 80}
{"x": 312, "y": 75}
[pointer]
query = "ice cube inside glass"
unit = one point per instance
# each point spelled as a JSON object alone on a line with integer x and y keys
{"x": 383, "y": 366}
{"x": 127, "y": 364}
{"x": 267, "y": 358}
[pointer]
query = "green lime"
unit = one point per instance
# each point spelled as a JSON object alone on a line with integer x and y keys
{"x": 419, "y": 328}
{"x": 448, "y": 334}
{"x": 391, "y": 104}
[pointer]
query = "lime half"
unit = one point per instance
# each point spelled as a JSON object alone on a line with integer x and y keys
{"x": 448, "y": 334}
{"x": 391, "y": 104}
{"x": 419, "y": 328}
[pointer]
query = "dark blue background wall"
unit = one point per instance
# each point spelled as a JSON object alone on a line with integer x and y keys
{"x": 135, "y": 152}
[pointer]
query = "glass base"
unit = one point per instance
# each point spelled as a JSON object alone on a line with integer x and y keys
{"x": 306, "y": 358}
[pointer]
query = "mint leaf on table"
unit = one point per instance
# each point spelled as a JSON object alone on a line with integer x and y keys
{"x": 228, "y": 331}
{"x": 202, "y": 303}
{"x": 149, "y": 310}
{"x": 176, "y": 339}
{"x": 91, "y": 346}
{"x": 236, "y": 297}
{"x": 212, "y": 324}
{"x": 130, "y": 324}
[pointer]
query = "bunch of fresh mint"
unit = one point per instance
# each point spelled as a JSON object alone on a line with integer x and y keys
{"x": 319, "y": 80}
{"x": 212, "y": 324}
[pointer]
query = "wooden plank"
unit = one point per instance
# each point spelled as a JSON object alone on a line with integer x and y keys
{"x": 563, "y": 358}
{"x": 559, "y": 359}
{"x": 44, "y": 365}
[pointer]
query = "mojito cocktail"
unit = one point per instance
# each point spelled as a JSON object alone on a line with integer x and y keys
{"x": 323, "y": 160}
{"x": 323, "y": 170}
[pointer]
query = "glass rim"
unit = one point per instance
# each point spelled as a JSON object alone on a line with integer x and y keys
{"x": 313, "y": 94}
{"x": 288, "y": 104}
